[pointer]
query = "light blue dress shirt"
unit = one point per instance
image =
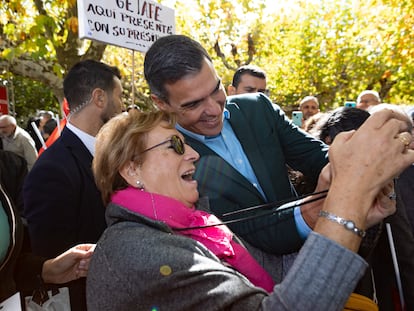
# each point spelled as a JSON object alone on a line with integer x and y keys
{"x": 227, "y": 146}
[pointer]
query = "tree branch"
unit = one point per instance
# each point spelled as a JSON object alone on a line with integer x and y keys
{"x": 221, "y": 55}
{"x": 38, "y": 70}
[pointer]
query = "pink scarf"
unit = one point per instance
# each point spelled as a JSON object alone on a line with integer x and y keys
{"x": 218, "y": 239}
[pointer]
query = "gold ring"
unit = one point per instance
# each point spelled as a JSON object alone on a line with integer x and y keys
{"x": 405, "y": 138}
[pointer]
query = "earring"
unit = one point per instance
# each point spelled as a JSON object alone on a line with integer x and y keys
{"x": 140, "y": 185}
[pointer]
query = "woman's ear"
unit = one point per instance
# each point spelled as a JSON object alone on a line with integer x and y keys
{"x": 130, "y": 172}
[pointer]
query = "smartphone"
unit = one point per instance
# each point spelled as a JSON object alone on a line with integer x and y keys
{"x": 350, "y": 104}
{"x": 297, "y": 117}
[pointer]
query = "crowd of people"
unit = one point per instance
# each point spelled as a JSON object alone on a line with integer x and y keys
{"x": 192, "y": 205}
{"x": 41, "y": 127}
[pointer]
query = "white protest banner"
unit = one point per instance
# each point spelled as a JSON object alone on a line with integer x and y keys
{"x": 132, "y": 24}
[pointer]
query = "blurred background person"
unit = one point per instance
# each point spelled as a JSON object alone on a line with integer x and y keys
{"x": 311, "y": 124}
{"x": 367, "y": 98}
{"x": 47, "y": 124}
{"x": 29, "y": 129}
{"x": 248, "y": 79}
{"x": 309, "y": 105}
{"x": 17, "y": 140}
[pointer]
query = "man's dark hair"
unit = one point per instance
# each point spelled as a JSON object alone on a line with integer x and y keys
{"x": 342, "y": 119}
{"x": 86, "y": 76}
{"x": 169, "y": 59}
{"x": 247, "y": 69}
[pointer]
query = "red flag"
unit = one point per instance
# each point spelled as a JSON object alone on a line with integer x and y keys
{"x": 56, "y": 132}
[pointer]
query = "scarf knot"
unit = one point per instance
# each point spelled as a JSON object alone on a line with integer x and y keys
{"x": 219, "y": 237}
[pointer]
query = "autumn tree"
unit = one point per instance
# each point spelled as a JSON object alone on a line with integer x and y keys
{"x": 39, "y": 40}
{"x": 331, "y": 49}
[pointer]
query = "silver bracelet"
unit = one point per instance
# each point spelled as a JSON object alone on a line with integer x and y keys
{"x": 348, "y": 224}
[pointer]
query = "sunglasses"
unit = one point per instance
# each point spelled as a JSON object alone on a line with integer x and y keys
{"x": 176, "y": 143}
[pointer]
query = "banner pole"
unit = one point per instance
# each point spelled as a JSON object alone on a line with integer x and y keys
{"x": 132, "y": 78}
{"x": 395, "y": 263}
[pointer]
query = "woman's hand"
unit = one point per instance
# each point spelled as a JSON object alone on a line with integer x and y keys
{"x": 71, "y": 265}
{"x": 383, "y": 206}
{"x": 365, "y": 160}
{"x": 362, "y": 164}
{"x": 310, "y": 211}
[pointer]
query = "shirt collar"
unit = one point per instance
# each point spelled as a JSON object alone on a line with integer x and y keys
{"x": 87, "y": 140}
{"x": 226, "y": 114}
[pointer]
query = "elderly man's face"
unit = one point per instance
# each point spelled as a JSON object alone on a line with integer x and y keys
{"x": 366, "y": 101}
{"x": 6, "y": 128}
{"x": 309, "y": 108}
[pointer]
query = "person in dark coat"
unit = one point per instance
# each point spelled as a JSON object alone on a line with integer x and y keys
{"x": 20, "y": 269}
{"x": 62, "y": 205}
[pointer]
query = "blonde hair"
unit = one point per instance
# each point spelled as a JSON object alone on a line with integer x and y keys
{"x": 120, "y": 141}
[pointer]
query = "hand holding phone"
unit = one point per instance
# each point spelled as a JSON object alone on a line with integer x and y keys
{"x": 297, "y": 117}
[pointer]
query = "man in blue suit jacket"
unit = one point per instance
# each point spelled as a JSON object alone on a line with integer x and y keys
{"x": 62, "y": 205}
{"x": 244, "y": 142}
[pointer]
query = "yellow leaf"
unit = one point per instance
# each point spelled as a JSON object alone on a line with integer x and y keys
{"x": 73, "y": 24}
{"x": 386, "y": 74}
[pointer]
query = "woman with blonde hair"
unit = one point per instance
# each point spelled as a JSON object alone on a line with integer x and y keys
{"x": 160, "y": 252}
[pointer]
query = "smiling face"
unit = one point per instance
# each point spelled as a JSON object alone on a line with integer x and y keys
{"x": 163, "y": 171}
{"x": 197, "y": 100}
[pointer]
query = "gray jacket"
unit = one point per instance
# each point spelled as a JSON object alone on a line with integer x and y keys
{"x": 139, "y": 264}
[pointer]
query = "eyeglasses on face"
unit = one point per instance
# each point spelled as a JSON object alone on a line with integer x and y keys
{"x": 176, "y": 143}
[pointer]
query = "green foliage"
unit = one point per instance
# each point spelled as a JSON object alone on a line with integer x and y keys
{"x": 331, "y": 49}
{"x": 29, "y": 97}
